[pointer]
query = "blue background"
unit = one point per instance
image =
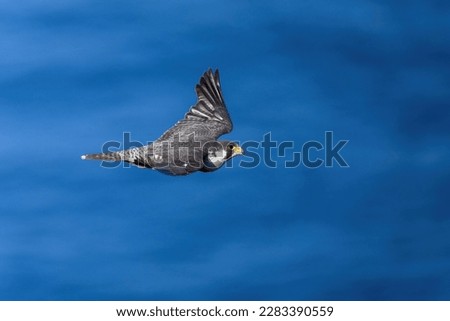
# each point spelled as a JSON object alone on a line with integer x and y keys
{"x": 75, "y": 74}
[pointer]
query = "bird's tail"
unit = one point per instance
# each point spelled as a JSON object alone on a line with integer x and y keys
{"x": 112, "y": 156}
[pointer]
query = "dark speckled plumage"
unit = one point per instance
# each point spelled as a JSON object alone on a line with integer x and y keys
{"x": 191, "y": 144}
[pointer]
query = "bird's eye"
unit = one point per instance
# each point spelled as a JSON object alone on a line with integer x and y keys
{"x": 230, "y": 147}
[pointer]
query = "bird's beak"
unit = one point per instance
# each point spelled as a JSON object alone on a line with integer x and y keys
{"x": 237, "y": 150}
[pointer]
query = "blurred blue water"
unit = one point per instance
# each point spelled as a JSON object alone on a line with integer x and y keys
{"x": 77, "y": 74}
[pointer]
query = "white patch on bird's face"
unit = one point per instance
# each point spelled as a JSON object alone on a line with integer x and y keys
{"x": 217, "y": 157}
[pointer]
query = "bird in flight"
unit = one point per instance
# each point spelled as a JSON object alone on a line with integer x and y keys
{"x": 191, "y": 144}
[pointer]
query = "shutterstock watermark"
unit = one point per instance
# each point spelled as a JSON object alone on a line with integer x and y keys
{"x": 311, "y": 154}
{"x": 326, "y": 152}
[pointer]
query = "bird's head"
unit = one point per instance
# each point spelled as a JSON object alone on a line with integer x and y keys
{"x": 232, "y": 149}
{"x": 219, "y": 152}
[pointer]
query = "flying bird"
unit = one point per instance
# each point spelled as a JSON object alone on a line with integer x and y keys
{"x": 191, "y": 144}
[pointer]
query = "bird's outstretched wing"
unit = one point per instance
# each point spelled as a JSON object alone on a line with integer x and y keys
{"x": 209, "y": 113}
{"x": 210, "y": 105}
